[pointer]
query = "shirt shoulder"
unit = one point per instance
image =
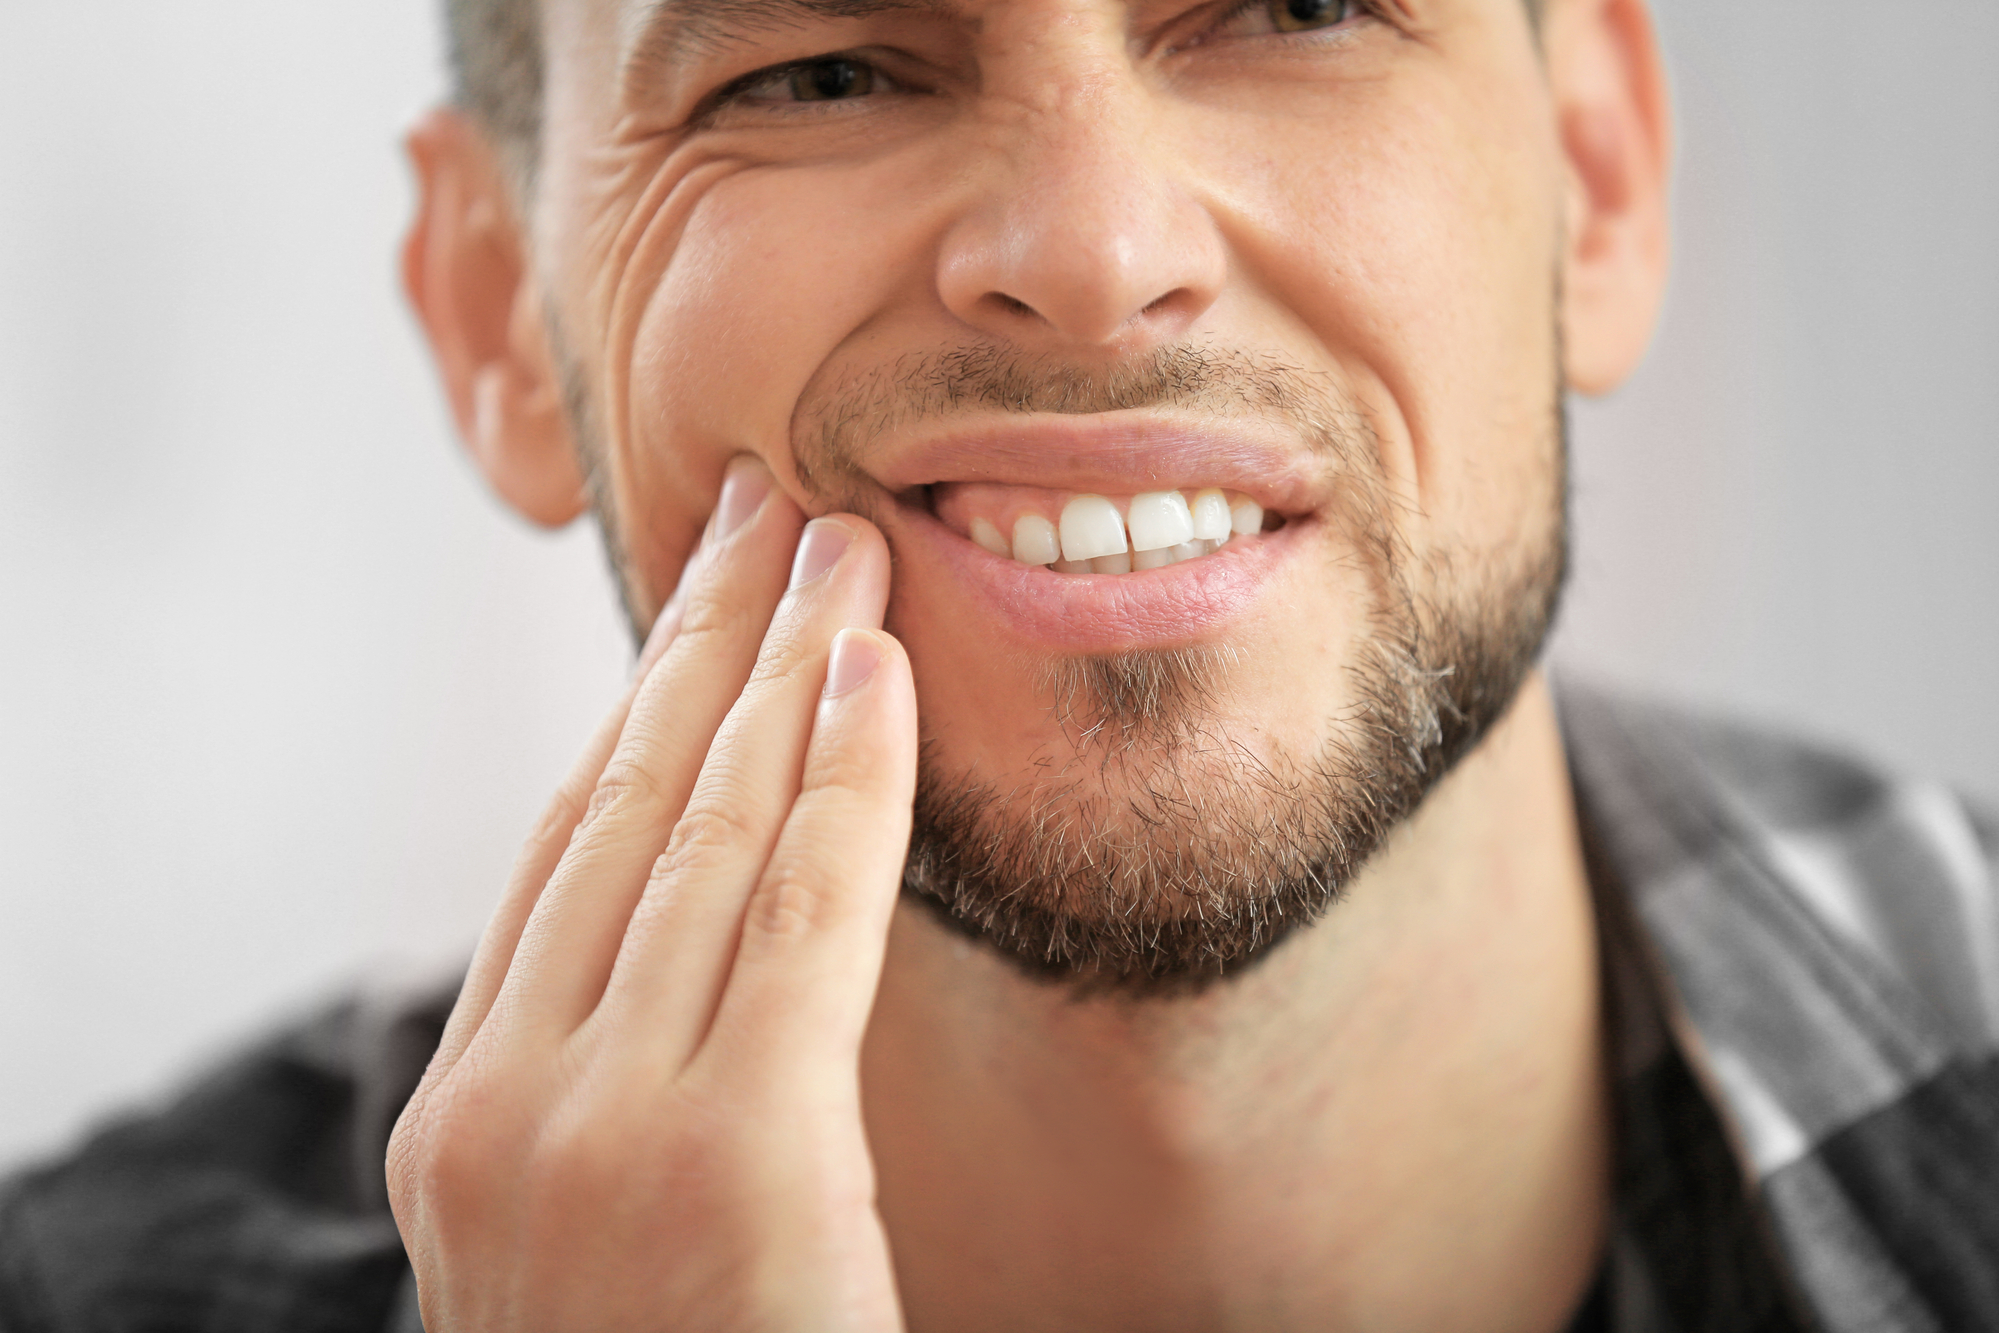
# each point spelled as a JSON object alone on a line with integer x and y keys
{"x": 252, "y": 1200}
{"x": 1828, "y": 935}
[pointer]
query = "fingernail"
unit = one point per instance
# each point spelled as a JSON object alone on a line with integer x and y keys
{"x": 856, "y": 654}
{"x": 819, "y": 549}
{"x": 743, "y": 490}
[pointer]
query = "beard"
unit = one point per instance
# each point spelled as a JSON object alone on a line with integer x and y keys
{"x": 1168, "y": 857}
{"x": 1161, "y": 855}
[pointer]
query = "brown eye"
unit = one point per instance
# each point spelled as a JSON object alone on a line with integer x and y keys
{"x": 1304, "y": 15}
{"x": 836, "y": 80}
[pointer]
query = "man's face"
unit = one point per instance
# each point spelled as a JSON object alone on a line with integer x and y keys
{"x": 956, "y": 263}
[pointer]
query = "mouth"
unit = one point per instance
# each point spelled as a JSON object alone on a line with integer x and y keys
{"x": 1096, "y": 534}
{"x": 1071, "y": 533}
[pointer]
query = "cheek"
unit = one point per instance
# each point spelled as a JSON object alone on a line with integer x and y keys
{"x": 1416, "y": 244}
{"x": 773, "y": 273}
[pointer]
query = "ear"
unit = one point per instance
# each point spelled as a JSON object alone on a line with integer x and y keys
{"x": 466, "y": 271}
{"x": 1615, "y": 121}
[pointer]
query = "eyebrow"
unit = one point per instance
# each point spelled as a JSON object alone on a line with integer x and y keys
{"x": 667, "y": 31}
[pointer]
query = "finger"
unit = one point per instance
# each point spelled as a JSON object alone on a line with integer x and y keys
{"x": 810, "y": 954}
{"x": 682, "y": 936}
{"x": 572, "y": 935}
{"x": 545, "y": 845}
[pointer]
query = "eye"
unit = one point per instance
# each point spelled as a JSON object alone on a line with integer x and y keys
{"x": 832, "y": 78}
{"x": 1305, "y": 15}
{"x": 835, "y": 79}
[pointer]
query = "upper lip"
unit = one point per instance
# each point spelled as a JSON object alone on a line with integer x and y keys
{"x": 1118, "y": 453}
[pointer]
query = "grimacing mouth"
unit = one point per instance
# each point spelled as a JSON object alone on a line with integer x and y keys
{"x": 1085, "y": 532}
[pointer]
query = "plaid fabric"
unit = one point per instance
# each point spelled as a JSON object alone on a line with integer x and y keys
{"x": 1811, "y": 950}
{"x": 1802, "y": 975}
{"x": 254, "y": 1203}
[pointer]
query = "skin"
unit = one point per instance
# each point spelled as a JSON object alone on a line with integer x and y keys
{"x": 705, "y": 1073}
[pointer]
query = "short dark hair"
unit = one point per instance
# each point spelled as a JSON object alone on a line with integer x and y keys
{"x": 496, "y": 63}
{"x": 495, "y": 51}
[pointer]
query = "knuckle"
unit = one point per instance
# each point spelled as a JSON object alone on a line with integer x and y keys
{"x": 716, "y": 614}
{"x": 627, "y": 787}
{"x": 786, "y": 651}
{"x": 558, "y": 821}
{"x": 444, "y": 1152}
{"x": 708, "y": 826}
{"x": 841, "y": 776}
{"x": 792, "y": 902}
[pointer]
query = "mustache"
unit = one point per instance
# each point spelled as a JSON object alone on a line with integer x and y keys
{"x": 839, "y": 424}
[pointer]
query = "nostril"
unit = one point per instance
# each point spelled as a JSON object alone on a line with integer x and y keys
{"x": 1009, "y": 305}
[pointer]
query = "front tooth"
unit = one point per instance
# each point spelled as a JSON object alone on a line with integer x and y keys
{"x": 1112, "y": 564}
{"x": 1190, "y": 550}
{"x": 1035, "y": 542}
{"x": 1159, "y": 559}
{"x": 1091, "y": 528}
{"x": 1246, "y": 517}
{"x": 988, "y": 536}
{"x": 1211, "y": 516}
{"x": 1158, "y": 520}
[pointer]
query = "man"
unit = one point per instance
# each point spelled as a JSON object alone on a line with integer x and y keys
{"x": 1088, "y": 845}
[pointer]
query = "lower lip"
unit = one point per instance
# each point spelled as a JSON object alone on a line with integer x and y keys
{"x": 1158, "y": 608}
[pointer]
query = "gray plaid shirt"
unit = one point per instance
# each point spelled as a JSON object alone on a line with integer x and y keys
{"x": 1816, "y": 947}
{"x": 1802, "y": 968}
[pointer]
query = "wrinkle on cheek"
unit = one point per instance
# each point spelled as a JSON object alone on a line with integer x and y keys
{"x": 642, "y": 206}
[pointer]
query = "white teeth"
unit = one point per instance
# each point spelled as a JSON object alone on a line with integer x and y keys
{"x": 1164, "y": 528}
{"x": 988, "y": 536}
{"x": 1035, "y": 542}
{"x": 1211, "y": 516}
{"x": 1159, "y": 520}
{"x": 1091, "y": 528}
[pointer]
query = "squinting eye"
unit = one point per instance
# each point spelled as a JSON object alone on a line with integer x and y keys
{"x": 836, "y": 80}
{"x": 1304, "y": 15}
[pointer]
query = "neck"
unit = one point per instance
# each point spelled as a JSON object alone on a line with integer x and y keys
{"x": 1397, "y": 1120}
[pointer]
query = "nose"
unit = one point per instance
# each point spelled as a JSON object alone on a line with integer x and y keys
{"x": 1080, "y": 234}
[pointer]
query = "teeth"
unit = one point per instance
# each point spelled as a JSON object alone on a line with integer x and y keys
{"x": 988, "y": 536}
{"x": 1091, "y": 528}
{"x": 1159, "y": 520}
{"x": 1035, "y": 542}
{"x": 1211, "y": 516}
{"x": 1163, "y": 528}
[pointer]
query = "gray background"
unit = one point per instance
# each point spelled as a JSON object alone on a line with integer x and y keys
{"x": 281, "y": 689}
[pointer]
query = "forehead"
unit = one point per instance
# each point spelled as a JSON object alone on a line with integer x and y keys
{"x": 678, "y": 28}
{"x": 699, "y": 21}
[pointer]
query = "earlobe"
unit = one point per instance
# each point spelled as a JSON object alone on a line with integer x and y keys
{"x": 1616, "y": 134}
{"x": 466, "y": 273}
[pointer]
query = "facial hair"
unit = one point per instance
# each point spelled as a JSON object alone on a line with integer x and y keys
{"x": 1163, "y": 855}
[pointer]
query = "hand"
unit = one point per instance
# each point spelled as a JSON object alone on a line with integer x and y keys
{"x": 645, "y": 1111}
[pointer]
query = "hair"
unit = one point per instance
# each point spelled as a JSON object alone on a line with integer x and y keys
{"x": 496, "y": 71}
{"x": 494, "y": 47}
